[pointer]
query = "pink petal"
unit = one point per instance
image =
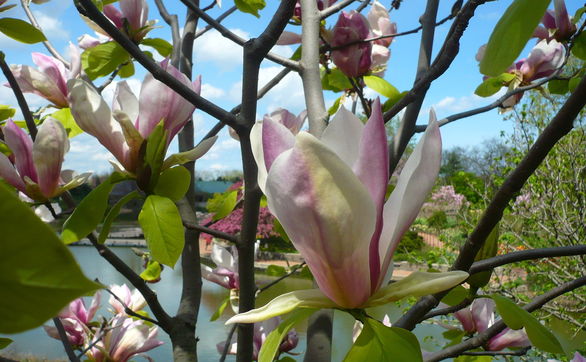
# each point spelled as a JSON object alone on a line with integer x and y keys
{"x": 114, "y": 15}
{"x": 48, "y": 153}
{"x": 92, "y": 114}
{"x": 8, "y": 173}
{"x": 125, "y": 101}
{"x": 372, "y": 168}
{"x": 508, "y": 338}
{"x": 21, "y": 146}
{"x": 54, "y": 69}
{"x": 31, "y": 80}
{"x": 465, "y": 317}
{"x": 482, "y": 311}
{"x": 329, "y": 216}
{"x": 414, "y": 183}
{"x": 135, "y": 11}
{"x": 288, "y": 38}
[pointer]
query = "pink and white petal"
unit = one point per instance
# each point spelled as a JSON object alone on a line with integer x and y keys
{"x": 288, "y": 38}
{"x": 94, "y": 306}
{"x": 276, "y": 139}
{"x": 208, "y": 274}
{"x": 49, "y": 149}
{"x": 509, "y": 338}
{"x": 21, "y": 146}
{"x": 53, "y": 68}
{"x": 257, "y": 152}
{"x": 372, "y": 169}
{"x": 8, "y": 173}
{"x": 465, "y": 317}
{"x": 578, "y": 358}
{"x": 92, "y": 114}
{"x": 135, "y": 11}
{"x": 482, "y": 311}
{"x": 414, "y": 183}
{"x": 223, "y": 258}
{"x": 75, "y": 63}
{"x": 343, "y": 136}
{"x": 329, "y": 216}
{"x": 125, "y": 101}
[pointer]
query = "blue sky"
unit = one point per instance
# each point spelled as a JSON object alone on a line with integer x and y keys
{"x": 220, "y": 63}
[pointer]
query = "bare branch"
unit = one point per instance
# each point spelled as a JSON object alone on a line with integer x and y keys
{"x": 127, "y": 309}
{"x": 64, "y": 340}
{"x": 171, "y": 20}
{"x": 219, "y": 234}
{"x": 218, "y": 20}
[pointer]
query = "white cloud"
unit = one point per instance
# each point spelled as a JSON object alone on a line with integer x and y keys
{"x": 224, "y": 53}
{"x": 218, "y": 166}
{"x": 208, "y": 91}
{"x": 450, "y": 105}
{"x": 51, "y": 25}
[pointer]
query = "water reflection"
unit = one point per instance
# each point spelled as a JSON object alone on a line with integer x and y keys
{"x": 36, "y": 342}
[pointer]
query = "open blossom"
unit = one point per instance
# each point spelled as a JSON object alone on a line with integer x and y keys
{"x": 226, "y": 272}
{"x": 131, "y": 18}
{"x": 133, "y": 300}
{"x": 123, "y": 339}
{"x": 123, "y": 130}
{"x": 49, "y": 80}
{"x": 261, "y": 331}
{"x": 557, "y": 23}
{"x": 329, "y": 195}
{"x": 353, "y": 60}
{"x": 479, "y": 316}
{"x": 543, "y": 60}
{"x": 34, "y": 168}
{"x": 75, "y": 319}
{"x": 380, "y": 24}
{"x": 284, "y": 117}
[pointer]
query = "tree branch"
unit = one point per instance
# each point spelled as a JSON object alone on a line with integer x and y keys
{"x": 482, "y": 338}
{"x": 314, "y": 98}
{"x": 286, "y": 62}
{"x": 87, "y": 8}
{"x": 559, "y": 126}
{"x": 521, "y": 352}
{"x": 171, "y": 20}
{"x": 218, "y": 20}
{"x": 219, "y": 234}
{"x": 64, "y": 340}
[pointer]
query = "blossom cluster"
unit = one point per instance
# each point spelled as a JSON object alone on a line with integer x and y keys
{"x": 446, "y": 197}
{"x": 116, "y": 339}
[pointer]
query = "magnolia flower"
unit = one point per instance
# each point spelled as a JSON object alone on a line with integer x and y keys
{"x": 557, "y": 24}
{"x": 578, "y": 358}
{"x": 50, "y": 79}
{"x": 123, "y": 339}
{"x": 284, "y": 117}
{"x": 479, "y": 316}
{"x": 329, "y": 195}
{"x": 133, "y": 300}
{"x": 353, "y": 60}
{"x": 123, "y": 130}
{"x": 321, "y": 5}
{"x": 226, "y": 272}
{"x": 34, "y": 167}
{"x": 132, "y": 19}
{"x": 543, "y": 60}
{"x": 75, "y": 319}
{"x": 261, "y": 331}
{"x": 380, "y": 24}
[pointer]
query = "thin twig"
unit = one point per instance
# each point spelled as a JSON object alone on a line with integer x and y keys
{"x": 520, "y": 352}
{"x": 25, "y": 5}
{"x": 219, "y": 234}
{"x": 448, "y": 310}
{"x": 228, "y": 342}
{"x": 218, "y": 20}
{"x": 171, "y": 20}
{"x": 293, "y": 270}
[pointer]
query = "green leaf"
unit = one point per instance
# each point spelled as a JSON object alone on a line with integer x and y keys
{"x": 173, "y": 183}
{"x": 516, "y": 317}
{"x": 276, "y": 271}
{"x": 4, "y": 342}
{"x": 492, "y": 85}
{"x": 297, "y": 54}
{"x": 163, "y": 229}
{"x": 270, "y": 347}
{"x": 191, "y": 155}
{"x": 156, "y": 145}
{"x": 381, "y": 86}
{"x": 578, "y": 14}
{"x": 152, "y": 271}
{"x": 222, "y": 204}
{"x": 103, "y": 59}
{"x": 250, "y": 6}
{"x": 379, "y": 343}
{"x": 488, "y": 250}
{"x": 127, "y": 70}
{"x": 21, "y": 31}
{"x": 7, "y": 7}
{"x": 389, "y": 103}
{"x": 510, "y": 35}
{"x": 335, "y": 80}
{"x": 286, "y": 359}
{"x": 38, "y": 274}
{"x": 64, "y": 116}
{"x": 573, "y": 83}
{"x": 473, "y": 359}
{"x": 455, "y": 296}
{"x": 162, "y": 46}
{"x": 88, "y": 214}
{"x": 455, "y": 336}
{"x": 579, "y": 48}
{"x": 6, "y": 112}
{"x": 334, "y": 108}
{"x": 558, "y": 86}
{"x": 218, "y": 313}
{"x": 113, "y": 213}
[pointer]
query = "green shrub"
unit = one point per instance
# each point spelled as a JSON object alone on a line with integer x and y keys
{"x": 438, "y": 220}
{"x": 410, "y": 242}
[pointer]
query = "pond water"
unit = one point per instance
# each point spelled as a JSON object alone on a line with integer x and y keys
{"x": 36, "y": 341}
